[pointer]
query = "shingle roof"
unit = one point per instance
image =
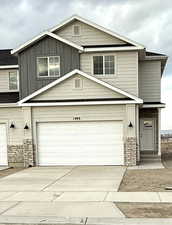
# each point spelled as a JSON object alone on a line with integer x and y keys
{"x": 6, "y": 58}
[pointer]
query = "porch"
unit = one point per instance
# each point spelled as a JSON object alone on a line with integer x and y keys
{"x": 149, "y": 138}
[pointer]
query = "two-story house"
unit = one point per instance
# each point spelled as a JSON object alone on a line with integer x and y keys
{"x": 87, "y": 96}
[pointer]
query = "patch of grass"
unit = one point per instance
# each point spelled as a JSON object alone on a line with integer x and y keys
{"x": 146, "y": 210}
{"x": 146, "y": 180}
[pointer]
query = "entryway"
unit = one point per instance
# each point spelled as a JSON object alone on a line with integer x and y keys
{"x": 147, "y": 134}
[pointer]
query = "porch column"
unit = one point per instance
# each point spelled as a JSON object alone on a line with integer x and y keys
{"x": 159, "y": 131}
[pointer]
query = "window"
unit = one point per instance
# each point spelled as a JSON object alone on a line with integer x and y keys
{"x": 77, "y": 83}
{"x": 147, "y": 123}
{"x": 104, "y": 65}
{"x": 48, "y": 66}
{"x": 13, "y": 80}
{"x": 76, "y": 30}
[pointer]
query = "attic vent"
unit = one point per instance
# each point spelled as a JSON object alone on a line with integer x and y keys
{"x": 76, "y": 30}
{"x": 78, "y": 83}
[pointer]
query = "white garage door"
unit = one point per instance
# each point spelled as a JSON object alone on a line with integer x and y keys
{"x": 3, "y": 145}
{"x": 80, "y": 143}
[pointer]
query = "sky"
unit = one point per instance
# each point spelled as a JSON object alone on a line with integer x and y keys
{"x": 148, "y": 22}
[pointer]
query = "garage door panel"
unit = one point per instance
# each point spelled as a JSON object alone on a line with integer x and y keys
{"x": 80, "y": 143}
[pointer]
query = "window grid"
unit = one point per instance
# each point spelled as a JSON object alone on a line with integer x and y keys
{"x": 48, "y": 63}
{"x": 104, "y": 66}
{"x": 12, "y": 82}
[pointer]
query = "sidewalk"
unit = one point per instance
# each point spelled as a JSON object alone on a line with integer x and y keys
{"x": 82, "y": 221}
{"x": 73, "y": 204}
{"x": 44, "y": 196}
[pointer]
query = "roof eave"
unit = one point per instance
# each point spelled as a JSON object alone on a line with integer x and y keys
{"x": 42, "y": 35}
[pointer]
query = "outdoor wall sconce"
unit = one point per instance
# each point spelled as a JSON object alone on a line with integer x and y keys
{"x": 130, "y": 124}
{"x": 26, "y": 127}
{"x": 12, "y": 125}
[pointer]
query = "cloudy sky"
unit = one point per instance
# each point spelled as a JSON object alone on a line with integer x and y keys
{"x": 148, "y": 22}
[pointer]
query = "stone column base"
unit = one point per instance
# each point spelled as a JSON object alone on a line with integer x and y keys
{"x": 28, "y": 152}
{"x": 15, "y": 156}
{"x": 130, "y": 152}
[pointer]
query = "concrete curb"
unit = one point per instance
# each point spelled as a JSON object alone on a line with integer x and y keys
{"x": 82, "y": 221}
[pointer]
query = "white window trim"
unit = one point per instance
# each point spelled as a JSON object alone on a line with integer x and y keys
{"x": 48, "y": 66}
{"x": 13, "y": 90}
{"x": 76, "y": 35}
{"x": 104, "y": 75}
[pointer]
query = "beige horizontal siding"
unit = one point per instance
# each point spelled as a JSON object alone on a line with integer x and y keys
{"x": 4, "y": 80}
{"x": 66, "y": 113}
{"x": 126, "y": 77}
{"x": 89, "y": 35}
{"x": 89, "y": 90}
{"x": 150, "y": 81}
{"x": 9, "y": 115}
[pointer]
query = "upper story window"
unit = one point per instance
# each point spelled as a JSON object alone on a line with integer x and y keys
{"x": 13, "y": 81}
{"x": 104, "y": 65}
{"x": 48, "y": 66}
{"x": 76, "y": 30}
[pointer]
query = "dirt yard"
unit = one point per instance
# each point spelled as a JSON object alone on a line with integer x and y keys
{"x": 146, "y": 210}
{"x": 146, "y": 180}
{"x": 6, "y": 172}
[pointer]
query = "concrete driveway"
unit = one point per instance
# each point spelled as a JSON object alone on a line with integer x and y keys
{"x": 64, "y": 178}
{"x": 62, "y": 191}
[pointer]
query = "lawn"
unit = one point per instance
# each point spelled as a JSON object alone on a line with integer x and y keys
{"x": 146, "y": 180}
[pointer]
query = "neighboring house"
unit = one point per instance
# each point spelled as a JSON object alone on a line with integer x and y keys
{"x": 87, "y": 96}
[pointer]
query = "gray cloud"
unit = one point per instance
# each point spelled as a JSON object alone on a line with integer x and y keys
{"x": 148, "y": 22}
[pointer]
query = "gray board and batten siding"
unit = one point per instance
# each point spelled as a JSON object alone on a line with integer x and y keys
{"x": 29, "y": 81}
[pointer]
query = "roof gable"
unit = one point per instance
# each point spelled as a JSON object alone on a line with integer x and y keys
{"x": 117, "y": 92}
{"x": 100, "y": 28}
{"x": 41, "y": 36}
{"x": 89, "y": 36}
{"x": 89, "y": 90}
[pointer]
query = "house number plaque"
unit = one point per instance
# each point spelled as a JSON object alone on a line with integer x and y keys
{"x": 76, "y": 118}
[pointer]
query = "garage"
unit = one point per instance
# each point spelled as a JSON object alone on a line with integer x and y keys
{"x": 80, "y": 143}
{"x": 3, "y": 145}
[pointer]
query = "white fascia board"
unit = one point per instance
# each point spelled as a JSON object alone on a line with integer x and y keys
{"x": 76, "y": 71}
{"x": 162, "y": 105}
{"x": 65, "y": 41}
{"x": 9, "y": 67}
{"x": 46, "y": 33}
{"x": 28, "y": 43}
{"x": 9, "y": 105}
{"x": 156, "y": 57}
{"x": 112, "y": 49}
{"x": 96, "y": 26}
{"x": 79, "y": 103}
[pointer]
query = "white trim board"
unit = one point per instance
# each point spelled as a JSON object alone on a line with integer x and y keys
{"x": 8, "y": 105}
{"x": 81, "y": 103}
{"x": 42, "y": 35}
{"x": 74, "y": 72}
{"x": 105, "y": 49}
{"x": 161, "y": 105}
{"x": 9, "y": 67}
{"x": 81, "y": 19}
